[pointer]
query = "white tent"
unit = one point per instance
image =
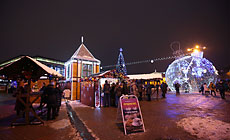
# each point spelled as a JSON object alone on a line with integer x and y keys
{"x": 153, "y": 75}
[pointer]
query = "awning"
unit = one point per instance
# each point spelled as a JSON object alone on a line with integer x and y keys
{"x": 154, "y": 75}
{"x": 26, "y": 66}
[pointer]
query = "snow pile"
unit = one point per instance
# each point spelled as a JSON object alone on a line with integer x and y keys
{"x": 206, "y": 128}
{"x": 60, "y": 124}
{"x": 77, "y": 104}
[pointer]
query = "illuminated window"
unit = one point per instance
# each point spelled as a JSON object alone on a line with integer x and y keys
{"x": 58, "y": 69}
{"x": 87, "y": 70}
{"x": 62, "y": 71}
{"x": 68, "y": 72}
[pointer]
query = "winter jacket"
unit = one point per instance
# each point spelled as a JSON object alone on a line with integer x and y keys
{"x": 211, "y": 86}
{"x": 164, "y": 87}
{"x": 51, "y": 95}
{"x": 58, "y": 96}
{"x": 106, "y": 88}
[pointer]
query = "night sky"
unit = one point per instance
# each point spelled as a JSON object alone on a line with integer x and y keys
{"x": 144, "y": 29}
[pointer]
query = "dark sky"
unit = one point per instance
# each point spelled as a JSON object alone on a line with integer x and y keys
{"x": 144, "y": 29}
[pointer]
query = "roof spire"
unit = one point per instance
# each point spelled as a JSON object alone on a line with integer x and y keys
{"x": 82, "y": 39}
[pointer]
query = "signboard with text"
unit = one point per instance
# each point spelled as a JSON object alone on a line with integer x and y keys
{"x": 131, "y": 114}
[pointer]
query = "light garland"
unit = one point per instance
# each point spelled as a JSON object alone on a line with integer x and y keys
{"x": 147, "y": 61}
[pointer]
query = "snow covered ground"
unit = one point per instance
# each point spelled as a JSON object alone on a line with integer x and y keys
{"x": 206, "y": 128}
{"x": 77, "y": 104}
{"x": 60, "y": 124}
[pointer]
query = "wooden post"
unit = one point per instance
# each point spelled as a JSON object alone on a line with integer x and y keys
{"x": 28, "y": 105}
{"x": 27, "y": 109}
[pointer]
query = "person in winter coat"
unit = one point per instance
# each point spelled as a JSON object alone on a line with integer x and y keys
{"x": 177, "y": 87}
{"x": 148, "y": 92}
{"x": 140, "y": 90}
{"x": 118, "y": 93}
{"x": 106, "y": 91}
{"x": 51, "y": 101}
{"x": 212, "y": 87}
{"x": 43, "y": 97}
{"x": 202, "y": 89}
{"x": 134, "y": 89}
{"x": 59, "y": 97}
{"x": 164, "y": 87}
{"x": 66, "y": 93}
{"x": 206, "y": 89}
{"x": 157, "y": 88}
{"x": 125, "y": 89}
{"x": 222, "y": 89}
{"x": 112, "y": 95}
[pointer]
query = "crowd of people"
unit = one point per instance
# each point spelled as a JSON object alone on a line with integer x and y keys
{"x": 221, "y": 87}
{"x": 112, "y": 93}
{"x": 51, "y": 95}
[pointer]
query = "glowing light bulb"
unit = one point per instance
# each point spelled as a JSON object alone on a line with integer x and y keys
{"x": 197, "y": 46}
{"x": 189, "y": 50}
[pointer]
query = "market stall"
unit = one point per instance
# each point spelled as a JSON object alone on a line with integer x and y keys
{"x": 152, "y": 78}
{"x": 27, "y": 69}
{"x": 91, "y": 87}
{"x": 154, "y": 75}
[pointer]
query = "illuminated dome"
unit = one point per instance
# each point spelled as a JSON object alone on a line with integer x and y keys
{"x": 190, "y": 72}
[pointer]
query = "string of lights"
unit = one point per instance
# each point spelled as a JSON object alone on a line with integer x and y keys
{"x": 148, "y": 61}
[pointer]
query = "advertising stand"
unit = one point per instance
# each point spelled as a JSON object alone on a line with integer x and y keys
{"x": 132, "y": 118}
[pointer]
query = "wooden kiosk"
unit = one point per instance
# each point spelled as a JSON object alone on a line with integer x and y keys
{"x": 91, "y": 87}
{"x": 28, "y": 69}
{"x": 80, "y": 65}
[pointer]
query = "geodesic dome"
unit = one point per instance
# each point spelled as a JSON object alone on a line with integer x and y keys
{"x": 190, "y": 72}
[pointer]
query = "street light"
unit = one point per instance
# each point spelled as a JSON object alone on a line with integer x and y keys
{"x": 196, "y": 49}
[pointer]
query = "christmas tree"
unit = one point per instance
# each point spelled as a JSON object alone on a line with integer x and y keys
{"x": 121, "y": 68}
